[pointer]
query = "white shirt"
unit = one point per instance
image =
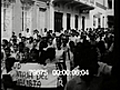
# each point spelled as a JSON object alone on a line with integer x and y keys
{"x": 35, "y": 36}
{"x": 28, "y": 34}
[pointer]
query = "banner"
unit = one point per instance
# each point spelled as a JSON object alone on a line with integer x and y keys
{"x": 37, "y": 76}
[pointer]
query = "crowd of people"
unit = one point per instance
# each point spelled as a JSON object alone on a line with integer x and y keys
{"x": 89, "y": 49}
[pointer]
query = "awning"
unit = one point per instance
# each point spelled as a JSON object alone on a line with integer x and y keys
{"x": 78, "y": 4}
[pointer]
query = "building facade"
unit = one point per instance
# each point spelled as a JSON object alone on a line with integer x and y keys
{"x": 110, "y": 13}
{"x": 18, "y": 15}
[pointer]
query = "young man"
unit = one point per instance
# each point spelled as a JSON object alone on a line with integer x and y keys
{"x": 27, "y": 34}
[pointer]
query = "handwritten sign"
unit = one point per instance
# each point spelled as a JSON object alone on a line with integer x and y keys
{"x": 44, "y": 79}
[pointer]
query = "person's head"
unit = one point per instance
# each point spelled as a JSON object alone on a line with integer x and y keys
{"x": 38, "y": 38}
{"x": 4, "y": 42}
{"x": 13, "y": 33}
{"x": 43, "y": 44}
{"x": 23, "y": 39}
{"x": 14, "y": 41}
{"x": 58, "y": 39}
{"x": 34, "y": 54}
{"x": 53, "y": 35}
{"x": 45, "y": 29}
{"x": 15, "y": 47}
{"x": 34, "y": 42}
{"x": 21, "y": 46}
{"x": 92, "y": 37}
{"x": 31, "y": 39}
{"x": 25, "y": 55}
{"x": 14, "y": 37}
{"x": 58, "y": 43}
{"x": 50, "y": 40}
{"x": 26, "y": 50}
{"x": 7, "y": 51}
{"x": 27, "y": 30}
{"x": 51, "y": 31}
{"x": 44, "y": 39}
{"x": 64, "y": 39}
{"x": 20, "y": 35}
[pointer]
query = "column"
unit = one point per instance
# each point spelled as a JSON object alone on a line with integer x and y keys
{"x": 17, "y": 17}
{"x": 64, "y": 21}
{"x": 72, "y": 20}
{"x": 51, "y": 17}
{"x": 34, "y": 18}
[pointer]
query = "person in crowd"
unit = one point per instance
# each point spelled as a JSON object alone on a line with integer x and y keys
{"x": 13, "y": 35}
{"x": 45, "y": 32}
{"x": 101, "y": 46}
{"x": 21, "y": 47}
{"x": 9, "y": 61}
{"x": 71, "y": 54}
{"x": 23, "y": 39}
{"x": 35, "y": 44}
{"x": 30, "y": 43}
{"x": 39, "y": 39}
{"x": 25, "y": 55}
{"x": 94, "y": 68}
{"x": 50, "y": 56}
{"x": 43, "y": 52}
{"x": 4, "y": 43}
{"x": 64, "y": 41}
{"x": 35, "y": 34}
{"x": 73, "y": 37}
{"x": 19, "y": 37}
{"x": 91, "y": 50}
{"x": 12, "y": 43}
{"x": 14, "y": 51}
{"x": 2, "y": 63}
{"x": 50, "y": 42}
{"x": 58, "y": 33}
{"x": 60, "y": 58}
{"x": 60, "y": 53}
{"x": 27, "y": 34}
{"x": 34, "y": 56}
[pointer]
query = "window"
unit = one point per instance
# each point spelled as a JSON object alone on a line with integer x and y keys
{"x": 83, "y": 23}
{"x": 99, "y": 26}
{"x": 58, "y": 21}
{"x": 110, "y": 4}
{"x": 22, "y": 20}
{"x": 76, "y": 21}
{"x": 110, "y": 21}
{"x": 94, "y": 22}
{"x": 68, "y": 21}
{"x": 103, "y": 21}
{"x": 4, "y": 15}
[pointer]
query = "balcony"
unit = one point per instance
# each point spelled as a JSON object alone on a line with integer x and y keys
{"x": 77, "y": 4}
{"x": 101, "y": 6}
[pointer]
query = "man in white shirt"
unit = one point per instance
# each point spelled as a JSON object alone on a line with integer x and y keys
{"x": 27, "y": 33}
